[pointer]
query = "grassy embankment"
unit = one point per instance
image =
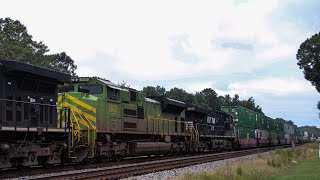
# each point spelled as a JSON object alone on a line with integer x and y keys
{"x": 302, "y": 163}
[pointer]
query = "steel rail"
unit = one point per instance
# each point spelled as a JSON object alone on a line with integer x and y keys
{"x": 139, "y": 169}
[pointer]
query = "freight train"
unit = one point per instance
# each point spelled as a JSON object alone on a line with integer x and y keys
{"x": 48, "y": 118}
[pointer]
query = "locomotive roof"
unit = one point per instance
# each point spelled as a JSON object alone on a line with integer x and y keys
{"x": 168, "y": 101}
{"x": 152, "y": 101}
{"x": 110, "y": 84}
{"x": 170, "y": 105}
{"x": 113, "y": 85}
{"x": 17, "y": 66}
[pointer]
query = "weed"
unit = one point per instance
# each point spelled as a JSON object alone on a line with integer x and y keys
{"x": 239, "y": 171}
{"x": 263, "y": 167}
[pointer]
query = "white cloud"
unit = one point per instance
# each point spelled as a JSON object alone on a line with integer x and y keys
{"x": 269, "y": 86}
{"x": 86, "y": 72}
{"x": 196, "y": 86}
{"x": 138, "y": 34}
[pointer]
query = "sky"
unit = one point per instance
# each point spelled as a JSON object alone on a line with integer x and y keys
{"x": 245, "y": 47}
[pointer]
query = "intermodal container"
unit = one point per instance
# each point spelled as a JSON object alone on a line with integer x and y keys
{"x": 242, "y": 116}
{"x": 245, "y": 132}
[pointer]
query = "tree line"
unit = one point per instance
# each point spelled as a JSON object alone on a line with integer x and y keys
{"x": 310, "y": 129}
{"x": 207, "y": 98}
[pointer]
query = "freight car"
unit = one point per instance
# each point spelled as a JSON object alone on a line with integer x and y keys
{"x": 28, "y": 115}
{"x": 257, "y": 130}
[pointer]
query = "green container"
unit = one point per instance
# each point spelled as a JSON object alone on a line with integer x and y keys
{"x": 268, "y": 123}
{"x": 245, "y": 132}
{"x": 242, "y": 116}
{"x": 280, "y": 127}
{"x": 261, "y": 121}
{"x": 272, "y": 124}
{"x": 273, "y": 135}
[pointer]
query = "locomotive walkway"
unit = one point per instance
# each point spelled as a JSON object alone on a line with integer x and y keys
{"x": 134, "y": 169}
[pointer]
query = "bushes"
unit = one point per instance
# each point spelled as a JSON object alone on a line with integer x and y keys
{"x": 285, "y": 157}
{"x": 263, "y": 167}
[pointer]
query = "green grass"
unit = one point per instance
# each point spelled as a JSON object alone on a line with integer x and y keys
{"x": 301, "y": 163}
{"x": 307, "y": 169}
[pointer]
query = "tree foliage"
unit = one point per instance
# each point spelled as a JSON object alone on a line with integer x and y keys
{"x": 154, "y": 91}
{"x": 17, "y": 44}
{"x": 308, "y": 57}
{"x": 207, "y": 98}
{"x": 249, "y": 103}
{"x": 180, "y": 94}
{"x": 123, "y": 84}
{"x": 310, "y": 129}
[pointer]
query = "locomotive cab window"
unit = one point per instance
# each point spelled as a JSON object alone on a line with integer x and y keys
{"x": 69, "y": 88}
{"x": 113, "y": 94}
{"x": 92, "y": 89}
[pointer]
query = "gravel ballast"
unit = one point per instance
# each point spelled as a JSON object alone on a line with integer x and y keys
{"x": 170, "y": 174}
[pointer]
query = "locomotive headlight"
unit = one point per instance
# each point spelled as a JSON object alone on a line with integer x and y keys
{"x": 74, "y": 79}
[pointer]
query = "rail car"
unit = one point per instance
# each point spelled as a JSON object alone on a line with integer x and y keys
{"x": 47, "y": 118}
{"x": 257, "y": 130}
{"x": 28, "y": 115}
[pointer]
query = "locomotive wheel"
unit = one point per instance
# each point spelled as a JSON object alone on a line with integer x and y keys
{"x": 118, "y": 158}
{"x": 103, "y": 159}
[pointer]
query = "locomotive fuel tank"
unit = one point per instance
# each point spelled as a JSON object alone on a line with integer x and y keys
{"x": 149, "y": 148}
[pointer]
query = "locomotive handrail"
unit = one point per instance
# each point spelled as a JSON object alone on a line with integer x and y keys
{"x": 12, "y": 100}
{"x": 197, "y": 133}
{"x": 61, "y": 109}
{"x": 78, "y": 134}
{"x": 92, "y": 126}
{"x": 88, "y": 136}
{"x": 94, "y": 136}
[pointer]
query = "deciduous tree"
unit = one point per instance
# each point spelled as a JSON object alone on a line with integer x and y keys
{"x": 154, "y": 91}
{"x": 308, "y": 57}
{"x": 17, "y": 44}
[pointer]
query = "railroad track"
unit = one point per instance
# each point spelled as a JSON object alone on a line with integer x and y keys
{"x": 154, "y": 166}
{"x": 128, "y": 167}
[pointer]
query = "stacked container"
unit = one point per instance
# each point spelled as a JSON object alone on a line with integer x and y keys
{"x": 246, "y": 122}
